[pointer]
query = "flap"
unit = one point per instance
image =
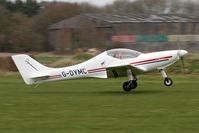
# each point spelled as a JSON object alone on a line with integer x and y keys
{"x": 120, "y": 70}
{"x": 102, "y": 74}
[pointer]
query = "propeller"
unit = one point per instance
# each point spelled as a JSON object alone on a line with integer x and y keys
{"x": 180, "y": 54}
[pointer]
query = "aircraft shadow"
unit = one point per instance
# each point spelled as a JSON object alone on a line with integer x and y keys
{"x": 136, "y": 92}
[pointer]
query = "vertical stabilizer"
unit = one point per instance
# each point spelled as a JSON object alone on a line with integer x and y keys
{"x": 28, "y": 67}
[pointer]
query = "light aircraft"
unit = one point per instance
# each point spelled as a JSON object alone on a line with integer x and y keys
{"x": 112, "y": 63}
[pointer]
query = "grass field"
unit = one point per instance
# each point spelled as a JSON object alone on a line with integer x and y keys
{"x": 100, "y": 106}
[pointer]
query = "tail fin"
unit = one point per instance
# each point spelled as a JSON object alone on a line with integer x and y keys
{"x": 29, "y": 68}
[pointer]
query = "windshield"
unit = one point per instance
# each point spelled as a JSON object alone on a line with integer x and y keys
{"x": 123, "y": 53}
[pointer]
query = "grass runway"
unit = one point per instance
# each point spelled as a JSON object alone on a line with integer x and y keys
{"x": 100, "y": 106}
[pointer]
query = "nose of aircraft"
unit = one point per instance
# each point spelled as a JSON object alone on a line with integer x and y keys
{"x": 182, "y": 52}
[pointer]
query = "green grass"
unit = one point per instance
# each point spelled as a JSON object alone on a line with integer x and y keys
{"x": 100, "y": 106}
{"x": 82, "y": 56}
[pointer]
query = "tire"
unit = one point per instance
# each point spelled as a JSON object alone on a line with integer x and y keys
{"x": 129, "y": 85}
{"x": 168, "y": 81}
{"x": 133, "y": 84}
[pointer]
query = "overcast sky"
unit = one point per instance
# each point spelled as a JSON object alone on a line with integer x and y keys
{"x": 94, "y": 2}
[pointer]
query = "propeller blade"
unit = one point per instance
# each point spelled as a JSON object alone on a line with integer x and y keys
{"x": 179, "y": 56}
{"x": 183, "y": 65}
{"x": 182, "y": 60}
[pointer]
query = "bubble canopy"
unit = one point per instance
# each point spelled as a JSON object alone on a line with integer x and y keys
{"x": 122, "y": 53}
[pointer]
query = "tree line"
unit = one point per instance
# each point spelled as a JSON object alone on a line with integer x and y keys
{"x": 24, "y": 24}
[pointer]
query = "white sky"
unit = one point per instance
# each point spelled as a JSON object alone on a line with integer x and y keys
{"x": 93, "y": 2}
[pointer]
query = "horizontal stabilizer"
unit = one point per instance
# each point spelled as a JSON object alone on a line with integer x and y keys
{"x": 39, "y": 75}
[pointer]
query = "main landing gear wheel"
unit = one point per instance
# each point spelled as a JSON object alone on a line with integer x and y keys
{"x": 129, "y": 85}
{"x": 168, "y": 81}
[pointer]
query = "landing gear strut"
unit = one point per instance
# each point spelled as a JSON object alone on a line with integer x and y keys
{"x": 167, "y": 81}
{"x": 131, "y": 84}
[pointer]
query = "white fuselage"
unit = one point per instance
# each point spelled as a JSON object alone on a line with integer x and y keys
{"x": 96, "y": 67}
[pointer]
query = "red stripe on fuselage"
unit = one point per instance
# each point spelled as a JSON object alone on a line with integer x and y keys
{"x": 97, "y": 69}
{"x": 166, "y": 57}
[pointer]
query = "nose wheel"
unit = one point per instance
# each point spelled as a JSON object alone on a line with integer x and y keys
{"x": 167, "y": 81}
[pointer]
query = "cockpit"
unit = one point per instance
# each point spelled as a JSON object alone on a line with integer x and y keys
{"x": 123, "y": 53}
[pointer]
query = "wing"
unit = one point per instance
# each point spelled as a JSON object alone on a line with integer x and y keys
{"x": 120, "y": 70}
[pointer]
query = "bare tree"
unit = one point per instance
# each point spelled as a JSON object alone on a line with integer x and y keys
{"x": 153, "y": 6}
